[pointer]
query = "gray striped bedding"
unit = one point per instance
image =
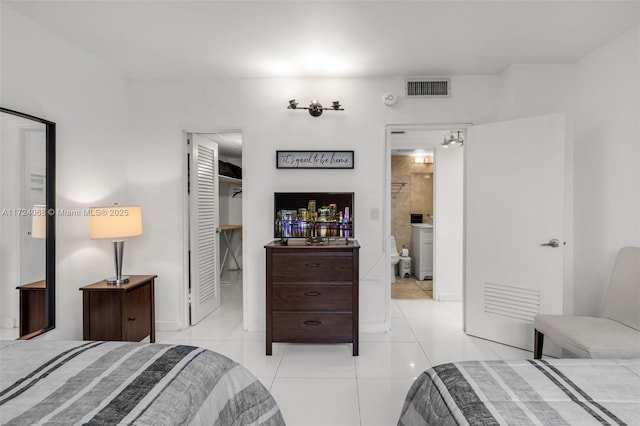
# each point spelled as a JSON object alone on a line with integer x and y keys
{"x": 108, "y": 383}
{"x": 573, "y": 392}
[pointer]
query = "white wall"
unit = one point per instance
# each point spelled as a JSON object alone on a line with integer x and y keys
{"x": 160, "y": 110}
{"x": 10, "y": 198}
{"x": 607, "y": 165}
{"x": 98, "y": 165}
{"x": 599, "y": 97}
{"x": 449, "y": 223}
{"x": 43, "y": 75}
{"x": 530, "y": 90}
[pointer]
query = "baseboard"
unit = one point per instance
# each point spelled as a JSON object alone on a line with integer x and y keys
{"x": 8, "y": 323}
{"x": 167, "y": 326}
{"x": 372, "y": 327}
{"x": 449, "y": 297}
{"x": 378, "y": 327}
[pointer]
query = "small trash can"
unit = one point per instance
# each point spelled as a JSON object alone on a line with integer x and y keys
{"x": 404, "y": 266}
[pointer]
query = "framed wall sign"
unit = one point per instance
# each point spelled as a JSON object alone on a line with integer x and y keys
{"x": 314, "y": 159}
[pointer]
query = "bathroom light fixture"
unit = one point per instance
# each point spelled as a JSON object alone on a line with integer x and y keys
{"x": 423, "y": 159}
{"x": 452, "y": 138}
{"x": 315, "y": 108}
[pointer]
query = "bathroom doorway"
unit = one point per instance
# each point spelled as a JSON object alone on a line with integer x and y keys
{"x": 425, "y": 209}
{"x": 411, "y": 221}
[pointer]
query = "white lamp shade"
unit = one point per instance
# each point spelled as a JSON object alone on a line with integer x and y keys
{"x": 115, "y": 221}
{"x": 39, "y": 221}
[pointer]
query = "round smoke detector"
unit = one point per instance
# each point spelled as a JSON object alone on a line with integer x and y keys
{"x": 389, "y": 98}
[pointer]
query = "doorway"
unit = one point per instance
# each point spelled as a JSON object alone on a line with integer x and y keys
{"x": 429, "y": 223}
{"x": 222, "y": 214}
{"x": 505, "y": 230}
{"x": 230, "y": 219}
{"x": 411, "y": 220}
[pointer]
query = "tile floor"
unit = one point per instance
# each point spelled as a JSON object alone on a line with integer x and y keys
{"x": 408, "y": 288}
{"x": 324, "y": 385}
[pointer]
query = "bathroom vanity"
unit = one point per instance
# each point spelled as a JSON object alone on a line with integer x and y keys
{"x": 422, "y": 247}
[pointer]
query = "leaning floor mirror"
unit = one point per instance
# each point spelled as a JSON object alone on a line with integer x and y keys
{"x": 27, "y": 225}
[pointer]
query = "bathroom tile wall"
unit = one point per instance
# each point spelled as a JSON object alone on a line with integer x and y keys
{"x": 415, "y": 196}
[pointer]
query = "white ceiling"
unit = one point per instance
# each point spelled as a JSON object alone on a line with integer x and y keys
{"x": 195, "y": 39}
{"x": 208, "y": 39}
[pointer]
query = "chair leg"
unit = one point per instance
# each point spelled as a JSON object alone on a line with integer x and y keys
{"x": 538, "y": 341}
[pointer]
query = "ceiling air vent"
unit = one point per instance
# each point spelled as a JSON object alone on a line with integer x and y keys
{"x": 428, "y": 88}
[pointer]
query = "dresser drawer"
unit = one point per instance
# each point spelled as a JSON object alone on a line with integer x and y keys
{"x": 312, "y": 267}
{"x": 305, "y": 297}
{"x": 312, "y": 327}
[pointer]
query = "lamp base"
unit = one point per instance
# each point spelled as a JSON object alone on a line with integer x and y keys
{"x": 117, "y": 281}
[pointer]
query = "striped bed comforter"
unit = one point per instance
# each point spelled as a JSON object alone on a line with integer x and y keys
{"x": 530, "y": 392}
{"x": 107, "y": 383}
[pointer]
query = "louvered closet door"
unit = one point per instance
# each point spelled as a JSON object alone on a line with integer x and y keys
{"x": 204, "y": 242}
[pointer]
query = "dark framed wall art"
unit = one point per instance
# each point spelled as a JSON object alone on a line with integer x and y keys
{"x": 314, "y": 159}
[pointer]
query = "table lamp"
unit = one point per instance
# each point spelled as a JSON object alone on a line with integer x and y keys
{"x": 116, "y": 222}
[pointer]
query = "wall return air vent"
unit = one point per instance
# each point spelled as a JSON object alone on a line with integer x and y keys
{"x": 427, "y": 88}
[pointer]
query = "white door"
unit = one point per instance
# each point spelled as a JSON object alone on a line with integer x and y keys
{"x": 514, "y": 204}
{"x": 203, "y": 227}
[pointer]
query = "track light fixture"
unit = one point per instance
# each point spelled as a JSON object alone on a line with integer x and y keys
{"x": 452, "y": 138}
{"x": 315, "y": 108}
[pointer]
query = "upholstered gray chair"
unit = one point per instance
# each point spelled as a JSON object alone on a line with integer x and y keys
{"x": 615, "y": 334}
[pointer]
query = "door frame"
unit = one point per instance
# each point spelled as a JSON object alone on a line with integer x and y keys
{"x": 387, "y": 198}
{"x": 568, "y": 277}
{"x": 186, "y": 270}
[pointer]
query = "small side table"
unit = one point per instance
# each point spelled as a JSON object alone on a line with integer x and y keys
{"x": 32, "y": 307}
{"x": 120, "y": 312}
{"x": 227, "y": 232}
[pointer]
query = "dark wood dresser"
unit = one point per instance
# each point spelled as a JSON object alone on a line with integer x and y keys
{"x": 120, "y": 312}
{"x": 312, "y": 293}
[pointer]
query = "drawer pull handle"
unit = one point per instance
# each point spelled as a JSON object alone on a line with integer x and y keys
{"x": 312, "y": 293}
{"x": 311, "y": 322}
{"x": 131, "y": 319}
{"x": 312, "y": 265}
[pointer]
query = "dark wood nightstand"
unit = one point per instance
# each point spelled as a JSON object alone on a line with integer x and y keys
{"x": 120, "y": 312}
{"x": 32, "y": 307}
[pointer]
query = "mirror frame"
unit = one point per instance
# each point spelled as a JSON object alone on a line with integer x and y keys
{"x": 50, "y": 201}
